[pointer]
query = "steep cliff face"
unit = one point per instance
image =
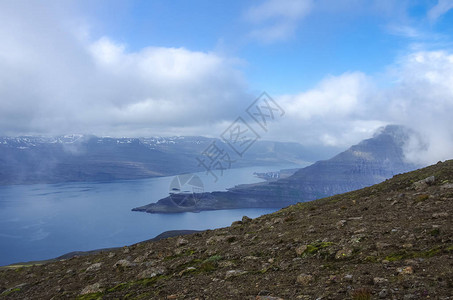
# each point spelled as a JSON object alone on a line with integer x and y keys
{"x": 367, "y": 163}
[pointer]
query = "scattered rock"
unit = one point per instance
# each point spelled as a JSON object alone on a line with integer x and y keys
{"x": 94, "y": 267}
{"x": 123, "y": 263}
{"x": 268, "y": 298}
{"x": 446, "y": 186}
{"x": 379, "y": 280}
{"x": 140, "y": 259}
{"x": 126, "y": 250}
{"x": 215, "y": 239}
{"x": 234, "y": 273}
{"x": 301, "y": 249}
{"x": 381, "y": 245}
{"x": 151, "y": 272}
{"x": 341, "y": 224}
{"x": 405, "y": 270}
{"x": 424, "y": 183}
{"x": 348, "y": 277}
{"x": 343, "y": 253}
{"x": 383, "y": 293}
{"x": 181, "y": 242}
{"x": 440, "y": 215}
{"x": 304, "y": 279}
{"x": 92, "y": 288}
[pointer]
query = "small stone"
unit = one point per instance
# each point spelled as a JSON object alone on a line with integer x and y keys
{"x": 92, "y": 288}
{"x": 268, "y": 298}
{"x": 126, "y": 250}
{"x": 123, "y": 263}
{"x": 421, "y": 184}
{"x": 111, "y": 255}
{"x": 174, "y": 296}
{"x": 340, "y": 224}
{"x": 408, "y": 246}
{"x": 348, "y": 277}
{"x": 271, "y": 260}
{"x": 301, "y": 249}
{"x": 343, "y": 253}
{"x": 234, "y": 273}
{"x": 405, "y": 270}
{"x": 383, "y": 293}
{"x": 215, "y": 239}
{"x": 381, "y": 245}
{"x": 379, "y": 280}
{"x": 151, "y": 272}
{"x": 181, "y": 242}
{"x": 440, "y": 215}
{"x": 94, "y": 267}
{"x": 311, "y": 229}
{"x": 446, "y": 186}
{"x": 140, "y": 259}
{"x": 304, "y": 279}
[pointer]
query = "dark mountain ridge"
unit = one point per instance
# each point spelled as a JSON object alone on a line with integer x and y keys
{"x": 27, "y": 160}
{"x": 369, "y": 162}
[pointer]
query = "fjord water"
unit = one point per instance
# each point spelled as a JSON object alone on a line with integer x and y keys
{"x": 43, "y": 221}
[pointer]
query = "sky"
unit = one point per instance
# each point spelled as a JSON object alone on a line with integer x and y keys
{"x": 339, "y": 69}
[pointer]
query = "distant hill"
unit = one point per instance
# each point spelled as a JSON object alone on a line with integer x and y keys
{"x": 367, "y": 163}
{"x": 393, "y": 240}
{"x": 26, "y": 160}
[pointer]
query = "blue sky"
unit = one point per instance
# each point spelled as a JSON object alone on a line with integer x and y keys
{"x": 353, "y": 35}
{"x": 340, "y": 69}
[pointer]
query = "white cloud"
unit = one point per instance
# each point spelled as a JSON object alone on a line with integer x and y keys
{"x": 277, "y": 20}
{"x": 344, "y": 109}
{"x": 442, "y": 7}
{"x": 55, "y": 80}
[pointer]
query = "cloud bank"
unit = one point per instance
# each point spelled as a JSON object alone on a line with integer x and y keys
{"x": 56, "y": 79}
{"x": 417, "y": 92}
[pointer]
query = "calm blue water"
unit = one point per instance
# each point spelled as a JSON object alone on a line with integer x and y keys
{"x": 47, "y": 220}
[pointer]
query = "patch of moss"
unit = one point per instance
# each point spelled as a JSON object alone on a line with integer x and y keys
{"x": 119, "y": 287}
{"x": 315, "y": 247}
{"x": 421, "y": 198}
{"x": 10, "y": 292}
{"x": 371, "y": 259}
{"x": 151, "y": 281}
{"x": 414, "y": 254}
{"x": 92, "y": 296}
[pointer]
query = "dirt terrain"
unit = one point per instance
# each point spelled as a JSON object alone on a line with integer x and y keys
{"x": 393, "y": 240}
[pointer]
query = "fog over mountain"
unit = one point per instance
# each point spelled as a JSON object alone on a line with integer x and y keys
{"x": 369, "y": 162}
{"x": 61, "y": 76}
{"x": 72, "y": 158}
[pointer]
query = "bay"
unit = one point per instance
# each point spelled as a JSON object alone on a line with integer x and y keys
{"x": 44, "y": 221}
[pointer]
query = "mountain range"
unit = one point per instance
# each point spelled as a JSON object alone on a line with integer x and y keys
{"x": 369, "y": 162}
{"x": 27, "y": 160}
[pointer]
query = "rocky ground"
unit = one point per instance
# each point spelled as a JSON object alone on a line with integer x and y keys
{"x": 389, "y": 241}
